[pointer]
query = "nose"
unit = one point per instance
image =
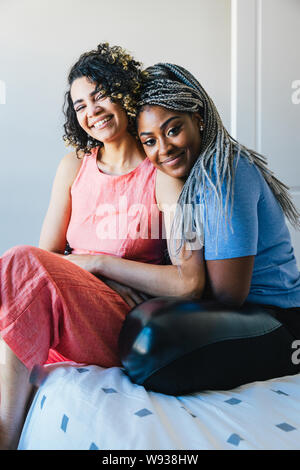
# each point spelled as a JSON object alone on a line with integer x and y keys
{"x": 93, "y": 109}
{"x": 165, "y": 147}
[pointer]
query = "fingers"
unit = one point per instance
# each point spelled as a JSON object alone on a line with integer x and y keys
{"x": 128, "y": 300}
{"x": 131, "y": 296}
{"x": 144, "y": 296}
{"x": 136, "y": 297}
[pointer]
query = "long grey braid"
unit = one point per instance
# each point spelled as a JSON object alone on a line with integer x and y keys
{"x": 173, "y": 87}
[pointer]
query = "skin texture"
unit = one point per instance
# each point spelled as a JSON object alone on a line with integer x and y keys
{"x": 121, "y": 152}
{"x": 16, "y": 395}
{"x": 91, "y": 107}
{"x": 171, "y": 140}
{"x": 166, "y": 134}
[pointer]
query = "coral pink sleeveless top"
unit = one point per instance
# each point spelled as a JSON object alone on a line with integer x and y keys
{"x": 116, "y": 214}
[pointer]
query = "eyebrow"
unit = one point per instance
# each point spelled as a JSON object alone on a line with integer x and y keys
{"x": 93, "y": 93}
{"x": 162, "y": 126}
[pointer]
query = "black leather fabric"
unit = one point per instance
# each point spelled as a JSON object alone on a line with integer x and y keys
{"x": 178, "y": 347}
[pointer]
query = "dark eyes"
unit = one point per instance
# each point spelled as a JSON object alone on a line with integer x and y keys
{"x": 149, "y": 142}
{"x": 79, "y": 109}
{"x": 172, "y": 132}
{"x": 97, "y": 97}
{"x": 100, "y": 95}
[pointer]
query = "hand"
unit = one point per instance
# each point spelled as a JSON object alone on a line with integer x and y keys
{"x": 87, "y": 262}
{"x": 131, "y": 296}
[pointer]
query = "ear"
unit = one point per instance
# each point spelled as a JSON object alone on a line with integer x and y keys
{"x": 198, "y": 121}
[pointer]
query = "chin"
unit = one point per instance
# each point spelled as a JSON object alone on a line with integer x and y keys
{"x": 177, "y": 172}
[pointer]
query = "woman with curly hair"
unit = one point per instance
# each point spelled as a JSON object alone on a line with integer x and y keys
{"x": 55, "y": 304}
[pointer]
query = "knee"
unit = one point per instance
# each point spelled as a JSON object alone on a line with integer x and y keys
{"x": 19, "y": 256}
{"x": 19, "y": 251}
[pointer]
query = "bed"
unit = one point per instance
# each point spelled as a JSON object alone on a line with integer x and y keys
{"x": 92, "y": 408}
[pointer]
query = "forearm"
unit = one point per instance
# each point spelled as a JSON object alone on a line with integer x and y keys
{"x": 152, "y": 279}
{"x": 155, "y": 280}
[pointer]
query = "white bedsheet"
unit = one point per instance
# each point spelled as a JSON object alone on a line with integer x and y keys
{"x": 88, "y": 407}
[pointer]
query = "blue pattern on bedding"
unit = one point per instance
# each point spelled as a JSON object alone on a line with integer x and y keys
{"x": 234, "y": 439}
{"x": 64, "y": 423}
{"x": 233, "y": 401}
{"x": 286, "y": 427}
{"x": 95, "y": 410}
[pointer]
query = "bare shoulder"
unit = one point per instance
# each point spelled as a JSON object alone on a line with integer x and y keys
{"x": 69, "y": 166}
{"x": 72, "y": 161}
{"x": 168, "y": 189}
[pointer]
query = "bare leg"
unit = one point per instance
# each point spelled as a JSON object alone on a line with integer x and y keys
{"x": 15, "y": 395}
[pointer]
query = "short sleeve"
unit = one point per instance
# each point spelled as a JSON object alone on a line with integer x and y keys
{"x": 237, "y": 234}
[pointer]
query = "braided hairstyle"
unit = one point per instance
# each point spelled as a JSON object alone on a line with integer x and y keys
{"x": 120, "y": 77}
{"x": 173, "y": 87}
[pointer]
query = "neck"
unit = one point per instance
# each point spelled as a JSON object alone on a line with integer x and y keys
{"x": 121, "y": 154}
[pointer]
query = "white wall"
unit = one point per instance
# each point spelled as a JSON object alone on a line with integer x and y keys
{"x": 243, "y": 51}
{"x": 279, "y": 134}
{"x": 40, "y": 40}
{"x": 265, "y": 108}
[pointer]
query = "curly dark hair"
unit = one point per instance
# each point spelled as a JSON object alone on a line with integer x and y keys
{"x": 120, "y": 77}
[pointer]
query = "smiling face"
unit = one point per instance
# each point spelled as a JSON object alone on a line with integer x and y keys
{"x": 98, "y": 116}
{"x": 171, "y": 139}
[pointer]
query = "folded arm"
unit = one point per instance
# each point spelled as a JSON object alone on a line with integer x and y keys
{"x": 184, "y": 278}
{"x": 155, "y": 280}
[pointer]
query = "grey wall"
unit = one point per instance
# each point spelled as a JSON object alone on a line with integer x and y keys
{"x": 40, "y": 40}
{"x": 265, "y": 106}
{"x": 243, "y": 51}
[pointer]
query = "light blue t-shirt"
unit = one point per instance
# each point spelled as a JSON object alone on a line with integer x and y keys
{"x": 258, "y": 228}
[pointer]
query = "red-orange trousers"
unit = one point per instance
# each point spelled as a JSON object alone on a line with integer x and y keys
{"x": 48, "y": 304}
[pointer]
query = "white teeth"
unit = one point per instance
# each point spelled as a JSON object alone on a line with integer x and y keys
{"x": 100, "y": 123}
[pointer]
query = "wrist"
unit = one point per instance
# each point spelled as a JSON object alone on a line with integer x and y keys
{"x": 96, "y": 266}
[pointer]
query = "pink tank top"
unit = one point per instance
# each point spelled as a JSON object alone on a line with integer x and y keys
{"x": 116, "y": 215}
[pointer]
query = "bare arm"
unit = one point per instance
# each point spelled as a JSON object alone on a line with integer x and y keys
{"x": 230, "y": 279}
{"x": 55, "y": 225}
{"x": 156, "y": 280}
{"x": 151, "y": 279}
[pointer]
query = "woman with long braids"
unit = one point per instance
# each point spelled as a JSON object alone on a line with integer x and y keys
{"x": 55, "y": 303}
{"x": 174, "y": 88}
{"x": 233, "y": 206}
{"x": 237, "y": 204}
{"x": 57, "y": 306}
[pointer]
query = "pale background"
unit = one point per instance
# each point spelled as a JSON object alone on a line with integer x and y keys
{"x": 244, "y": 52}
